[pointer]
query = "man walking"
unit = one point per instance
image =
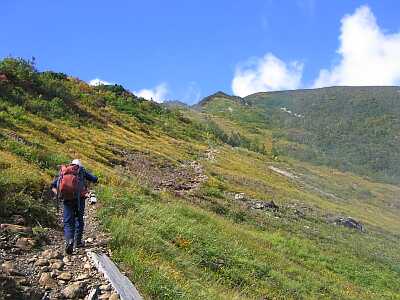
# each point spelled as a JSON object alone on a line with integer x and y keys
{"x": 70, "y": 187}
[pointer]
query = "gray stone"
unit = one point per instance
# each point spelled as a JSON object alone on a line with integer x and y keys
{"x": 73, "y": 291}
{"x": 41, "y": 262}
{"x": 66, "y": 276}
{"x": 25, "y": 243}
{"x": 82, "y": 277}
{"x": 49, "y": 254}
{"x": 105, "y": 287}
{"x": 87, "y": 266}
{"x": 8, "y": 267}
{"x": 47, "y": 281}
{"x": 349, "y": 223}
{"x": 58, "y": 265}
{"x": 114, "y": 296}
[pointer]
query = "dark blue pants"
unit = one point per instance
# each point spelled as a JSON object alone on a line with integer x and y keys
{"x": 73, "y": 220}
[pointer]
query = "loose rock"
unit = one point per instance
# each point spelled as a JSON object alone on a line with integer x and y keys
{"x": 349, "y": 223}
{"x": 41, "y": 262}
{"x": 25, "y": 244}
{"x": 87, "y": 266}
{"x": 8, "y": 267}
{"x": 264, "y": 205}
{"x": 49, "y": 254}
{"x": 66, "y": 276}
{"x": 114, "y": 296}
{"x": 73, "y": 291}
{"x": 105, "y": 287}
{"x": 58, "y": 265}
{"x": 82, "y": 277}
{"x": 47, "y": 281}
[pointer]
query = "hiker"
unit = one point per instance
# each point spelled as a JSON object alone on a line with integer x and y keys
{"x": 69, "y": 186}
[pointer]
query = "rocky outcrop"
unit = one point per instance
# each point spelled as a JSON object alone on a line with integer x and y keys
{"x": 256, "y": 204}
{"x": 269, "y": 205}
{"x": 349, "y": 223}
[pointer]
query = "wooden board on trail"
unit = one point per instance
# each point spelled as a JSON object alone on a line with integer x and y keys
{"x": 122, "y": 285}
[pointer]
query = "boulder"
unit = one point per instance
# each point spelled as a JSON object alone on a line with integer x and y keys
{"x": 105, "y": 287}
{"x": 87, "y": 266}
{"x": 51, "y": 254}
{"x": 114, "y": 296}
{"x": 41, "y": 262}
{"x": 8, "y": 267}
{"x": 240, "y": 196}
{"x": 47, "y": 281}
{"x": 82, "y": 277}
{"x": 264, "y": 205}
{"x": 349, "y": 223}
{"x": 25, "y": 244}
{"x": 66, "y": 276}
{"x": 57, "y": 265}
{"x": 73, "y": 291}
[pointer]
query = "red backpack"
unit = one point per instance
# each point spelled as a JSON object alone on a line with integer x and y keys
{"x": 68, "y": 186}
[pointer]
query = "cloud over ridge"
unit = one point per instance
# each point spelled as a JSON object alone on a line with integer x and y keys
{"x": 368, "y": 56}
{"x": 157, "y": 94}
{"x": 98, "y": 81}
{"x": 268, "y": 73}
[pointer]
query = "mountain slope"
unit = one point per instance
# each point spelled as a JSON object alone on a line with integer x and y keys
{"x": 187, "y": 195}
{"x": 351, "y": 128}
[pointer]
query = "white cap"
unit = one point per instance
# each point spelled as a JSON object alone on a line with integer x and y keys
{"x": 76, "y": 162}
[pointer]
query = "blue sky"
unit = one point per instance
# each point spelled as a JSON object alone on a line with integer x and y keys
{"x": 187, "y": 50}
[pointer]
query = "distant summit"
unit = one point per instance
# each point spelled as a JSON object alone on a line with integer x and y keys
{"x": 219, "y": 95}
{"x": 174, "y": 103}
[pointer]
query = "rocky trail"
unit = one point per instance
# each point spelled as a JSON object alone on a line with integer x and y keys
{"x": 34, "y": 266}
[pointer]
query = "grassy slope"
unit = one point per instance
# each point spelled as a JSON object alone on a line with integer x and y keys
{"x": 349, "y": 128}
{"x": 204, "y": 244}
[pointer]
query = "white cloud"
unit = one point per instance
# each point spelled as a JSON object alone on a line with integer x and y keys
{"x": 266, "y": 74}
{"x": 368, "y": 55}
{"x": 98, "y": 81}
{"x": 156, "y": 94}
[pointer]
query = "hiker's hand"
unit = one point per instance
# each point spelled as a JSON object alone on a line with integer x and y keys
{"x": 54, "y": 190}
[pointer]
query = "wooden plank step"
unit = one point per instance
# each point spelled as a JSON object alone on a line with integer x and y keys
{"x": 122, "y": 285}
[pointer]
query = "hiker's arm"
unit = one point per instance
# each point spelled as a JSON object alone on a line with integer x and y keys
{"x": 90, "y": 177}
{"x": 54, "y": 186}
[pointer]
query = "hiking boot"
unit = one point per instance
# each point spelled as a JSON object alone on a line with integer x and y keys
{"x": 69, "y": 247}
{"x": 80, "y": 244}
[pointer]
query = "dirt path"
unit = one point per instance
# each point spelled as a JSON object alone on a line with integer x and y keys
{"x": 34, "y": 266}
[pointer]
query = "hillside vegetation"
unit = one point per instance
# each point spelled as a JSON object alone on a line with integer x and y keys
{"x": 349, "y": 128}
{"x": 185, "y": 193}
